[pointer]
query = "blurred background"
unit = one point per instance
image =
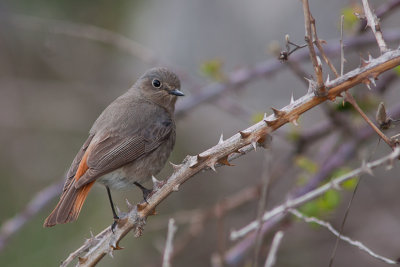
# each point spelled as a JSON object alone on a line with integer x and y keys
{"x": 62, "y": 62}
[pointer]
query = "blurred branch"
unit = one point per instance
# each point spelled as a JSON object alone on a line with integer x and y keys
{"x": 348, "y": 240}
{"x": 169, "y": 247}
{"x": 224, "y": 151}
{"x": 40, "y": 200}
{"x": 333, "y": 184}
{"x": 271, "y": 259}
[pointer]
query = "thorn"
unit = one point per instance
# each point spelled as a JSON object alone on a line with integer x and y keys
{"x": 278, "y": 113}
{"x": 141, "y": 206}
{"x": 372, "y": 80}
{"x": 364, "y": 63}
{"x": 311, "y": 85}
{"x": 110, "y": 252}
{"x": 244, "y": 135}
{"x": 197, "y": 160}
{"x": 224, "y": 161}
{"x": 156, "y": 183}
{"x": 365, "y": 168}
{"x": 327, "y": 80}
{"x": 82, "y": 260}
{"x": 201, "y": 158}
{"x": 265, "y": 141}
{"x": 292, "y": 99}
{"x": 212, "y": 165}
{"x": 265, "y": 116}
{"x": 153, "y": 212}
{"x": 118, "y": 210}
{"x": 130, "y": 206}
{"x": 175, "y": 166}
{"x": 269, "y": 123}
{"x": 175, "y": 188}
{"x": 221, "y": 139}
{"x": 369, "y": 57}
{"x": 295, "y": 122}
{"x": 254, "y": 144}
{"x": 336, "y": 186}
{"x": 319, "y": 62}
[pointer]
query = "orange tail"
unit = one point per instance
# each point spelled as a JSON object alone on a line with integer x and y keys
{"x": 69, "y": 206}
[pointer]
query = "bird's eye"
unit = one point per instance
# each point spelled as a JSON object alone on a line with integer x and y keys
{"x": 156, "y": 83}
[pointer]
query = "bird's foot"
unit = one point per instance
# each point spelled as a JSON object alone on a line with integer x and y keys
{"x": 146, "y": 192}
{"x": 114, "y": 224}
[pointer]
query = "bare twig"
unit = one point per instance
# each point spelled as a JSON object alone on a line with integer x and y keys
{"x": 350, "y": 241}
{"x": 320, "y": 48}
{"x": 40, "y": 200}
{"x": 373, "y": 23}
{"x": 308, "y": 20}
{"x": 271, "y": 259}
{"x": 382, "y": 11}
{"x": 342, "y": 60}
{"x": 261, "y": 206}
{"x": 169, "y": 247}
{"x": 353, "y": 102}
{"x": 293, "y": 203}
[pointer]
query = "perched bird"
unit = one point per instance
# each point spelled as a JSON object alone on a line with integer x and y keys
{"x": 129, "y": 142}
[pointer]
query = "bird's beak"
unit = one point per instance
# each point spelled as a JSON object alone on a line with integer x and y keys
{"x": 176, "y": 92}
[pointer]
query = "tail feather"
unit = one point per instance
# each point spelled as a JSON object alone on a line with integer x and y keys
{"x": 69, "y": 206}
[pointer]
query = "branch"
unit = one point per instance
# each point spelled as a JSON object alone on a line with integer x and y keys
{"x": 169, "y": 247}
{"x": 382, "y": 11}
{"x": 335, "y": 183}
{"x": 40, "y": 200}
{"x": 348, "y": 240}
{"x": 373, "y": 23}
{"x": 227, "y": 150}
{"x": 308, "y": 20}
{"x": 271, "y": 259}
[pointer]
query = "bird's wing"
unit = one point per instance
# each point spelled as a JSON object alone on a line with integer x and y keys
{"x": 114, "y": 150}
{"x": 75, "y": 164}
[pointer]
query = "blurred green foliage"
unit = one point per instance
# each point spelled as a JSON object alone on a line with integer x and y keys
{"x": 212, "y": 69}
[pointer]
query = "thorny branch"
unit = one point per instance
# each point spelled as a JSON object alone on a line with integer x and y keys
{"x": 225, "y": 151}
{"x": 373, "y": 23}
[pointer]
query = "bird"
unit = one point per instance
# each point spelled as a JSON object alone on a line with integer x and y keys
{"x": 129, "y": 142}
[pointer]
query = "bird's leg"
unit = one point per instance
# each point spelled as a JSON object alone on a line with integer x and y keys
{"x": 146, "y": 192}
{"x": 116, "y": 218}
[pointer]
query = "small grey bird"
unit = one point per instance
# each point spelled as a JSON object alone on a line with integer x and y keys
{"x": 130, "y": 141}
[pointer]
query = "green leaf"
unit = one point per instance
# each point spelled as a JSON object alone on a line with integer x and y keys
{"x": 397, "y": 70}
{"x": 212, "y": 69}
{"x": 256, "y": 117}
{"x": 350, "y": 20}
{"x": 328, "y": 201}
{"x": 306, "y": 164}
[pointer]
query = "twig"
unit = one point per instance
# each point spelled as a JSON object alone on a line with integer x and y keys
{"x": 350, "y": 241}
{"x": 169, "y": 247}
{"x": 373, "y": 23}
{"x": 293, "y": 203}
{"x": 352, "y": 101}
{"x": 382, "y": 11}
{"x": 271, "y": 259}
{"x": 320, "y": 48}
{"x": 342, "y": 60}
{"x": 40, "y": 200}
{"x": 320, "y": 90}
{"x": 261, "y": 206}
